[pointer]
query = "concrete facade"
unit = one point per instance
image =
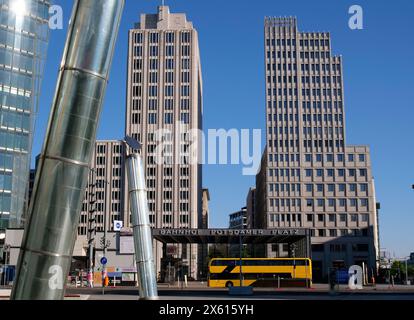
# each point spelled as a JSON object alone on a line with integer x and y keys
{"x": 238, "y": 219}
{"x": 309, "y": 177}
{"x": 164, "y": 101}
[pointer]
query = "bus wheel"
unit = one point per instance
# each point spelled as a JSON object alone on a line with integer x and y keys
{"x": 229, "y": 284}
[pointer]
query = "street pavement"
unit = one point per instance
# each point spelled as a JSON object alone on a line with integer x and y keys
{"x": 199, "y": 291}
{"x": 318, "y": 292}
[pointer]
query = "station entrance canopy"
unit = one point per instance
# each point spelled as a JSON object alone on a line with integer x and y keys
{"x": 299, "y": 237}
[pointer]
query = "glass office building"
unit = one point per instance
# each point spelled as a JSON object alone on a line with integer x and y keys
{"x": 23, "y": 43}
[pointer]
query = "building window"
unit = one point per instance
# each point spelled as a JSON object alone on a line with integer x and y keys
{"x": 363, "y": 187}
{"x": 153, "y": 37}
{"x": 185, "y": 118}
{"x": 168, "y": 118}
{"x": 152, "y": 118}
{"x": 362, "y": 172}
{"x": 353, "y": 202}
{"x": 332, "y": 233}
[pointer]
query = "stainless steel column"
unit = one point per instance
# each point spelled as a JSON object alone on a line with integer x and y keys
{"x": 141, "y": 226}
{"x": 60, "y": 183}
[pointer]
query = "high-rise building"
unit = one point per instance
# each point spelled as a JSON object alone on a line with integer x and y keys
{"x": 104, "y": 195}
{"x": 251, "y": 208}
{"x": 23, "y": 44}
{"x": 238, "y": 219}
{"x": 164, "y": 102}
{"x": 309, "y": 177}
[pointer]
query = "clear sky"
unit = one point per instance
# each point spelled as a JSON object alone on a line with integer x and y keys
{"x": 379, "y": 89}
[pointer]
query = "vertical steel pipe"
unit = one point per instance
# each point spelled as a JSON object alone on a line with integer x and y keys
{"x": 61, "y": 179}
{"x": 141, "y": 227}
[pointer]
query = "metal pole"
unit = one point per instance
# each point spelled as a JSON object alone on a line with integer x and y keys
{"x": 241, "y": 260}
{"x": 53, "y": 216}
{"x": 406, "y": 271}
{"x": 141, "y": 227}
{"x": 104, "y": 274}
{"x": 92, "y": 226}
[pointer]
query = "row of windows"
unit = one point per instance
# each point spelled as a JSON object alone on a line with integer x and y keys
{"x": 310, "y": 203}
{"x": 303, "y": 55}
{"x": 307, "y": 144}
{"x": 339, "y": 233}
{"x": 168, "y": 104}
{"x": 317, "y": 172}
{"x": 303, "y": 43}
{"x": 153, "y": 77}
{"x": 168, "y": 172}
{"x": 339, "y": 157}
{"x": 330, "y": 188}
{"x": 306, "y": 105}
{"x": 14, "y": 140}
{"x": 335, "y": 81}
{"x": 101, "y": 148}
{"x": 116, "y": 172}
{"x": 320, "y": 131}
{"x": 339, "y": 172}
{"x": 168, "y": 118}
{"x": 185, "y": 37}
{"x": 154, "y": 65}
{"x": 339, "y": 144}
{"x": 168, "y": 90}
{"x": 343, "y": 217}
{"x": 353, "y": 203}
{"x": 352, "y": 187}
{"x": 305, "y": 67}
{"x": 307, "y": 117}
{"x": 168, "y": 219}
{"x": 169, "y": 50}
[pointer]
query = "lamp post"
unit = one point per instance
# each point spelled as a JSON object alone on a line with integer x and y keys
{"x": 406, "y": 271}
{"x": 91, "y": 226}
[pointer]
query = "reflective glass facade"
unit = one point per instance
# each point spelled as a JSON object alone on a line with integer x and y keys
{"x": 23, "y": 44}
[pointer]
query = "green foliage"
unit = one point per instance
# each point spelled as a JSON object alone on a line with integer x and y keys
{"x": 398, "y": 269}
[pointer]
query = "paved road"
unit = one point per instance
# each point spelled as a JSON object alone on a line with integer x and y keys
{"x": 195, "y": 292}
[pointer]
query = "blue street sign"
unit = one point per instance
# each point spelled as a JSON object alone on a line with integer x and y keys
{"x": 104, "y": 260}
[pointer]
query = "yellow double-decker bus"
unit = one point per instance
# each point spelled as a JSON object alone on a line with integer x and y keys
{"x": 260, "y": 272}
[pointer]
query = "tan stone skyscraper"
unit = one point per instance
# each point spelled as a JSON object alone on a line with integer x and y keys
{"x": 310, "y": 178}
{"x": 165, "y": 88}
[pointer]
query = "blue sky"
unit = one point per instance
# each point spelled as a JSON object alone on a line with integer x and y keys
{"x": 379, "y": 94}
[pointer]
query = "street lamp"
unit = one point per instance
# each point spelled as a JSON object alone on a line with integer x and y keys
{"x": 407, "y": 282}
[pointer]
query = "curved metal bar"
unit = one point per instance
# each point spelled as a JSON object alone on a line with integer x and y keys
{"x": 141, "y": 228}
